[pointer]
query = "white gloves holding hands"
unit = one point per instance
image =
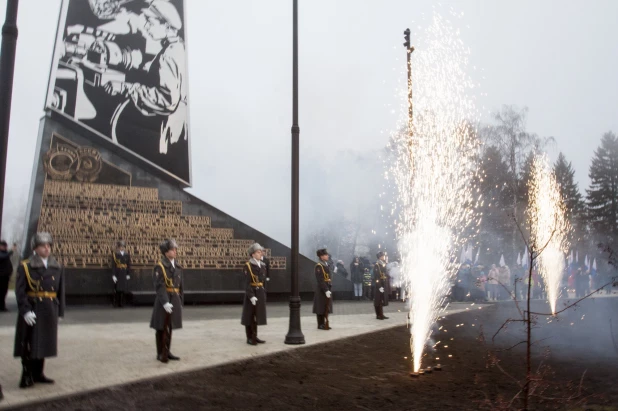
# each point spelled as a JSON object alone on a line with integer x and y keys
{"x": 253, "y": 300}
{"x": 381, "y": 289}
{"x": 328, "y": 294}
{"x": 168, "y": 307}
{"x": 30, "y": 318}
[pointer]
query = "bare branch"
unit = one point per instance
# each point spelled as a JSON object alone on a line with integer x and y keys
{"x": 611, "y": 331}
{"x": 575, "y": 303}
{"x": 507, "y": 322}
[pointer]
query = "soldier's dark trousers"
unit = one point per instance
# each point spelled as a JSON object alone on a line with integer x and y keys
{"x": 379, "y": 311}
{"x": 159, "y": 341}
{"x": 119, "y": 298}
{"x": 251, "y": 330}
{"x": 4, "y": 288}
{"x": 32, "y": 371}
{"x": 320, "y": 319}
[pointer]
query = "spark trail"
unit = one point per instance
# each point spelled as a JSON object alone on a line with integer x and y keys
{"x": 434, "y": 168}
{"x": 549, "y": 226}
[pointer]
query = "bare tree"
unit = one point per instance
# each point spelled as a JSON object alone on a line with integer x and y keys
{"x": 508, "y": 134}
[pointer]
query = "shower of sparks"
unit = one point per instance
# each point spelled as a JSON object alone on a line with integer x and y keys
{"x": 549, "y": 226}
{"x": 434, "y": 167}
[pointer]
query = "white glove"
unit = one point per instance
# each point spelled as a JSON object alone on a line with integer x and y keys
{"x": 128, "y": 277}
{"x": 253, "y": 300}
{"x": 168, "y": 307}
{"x": 335, "y": 270}
{"x": 381, "y": 289}
{"x": 328, "y": 293}
{"x": 267, "y": 278}
{"x": 115, "y": 279}
{"x": 30, "y": 318}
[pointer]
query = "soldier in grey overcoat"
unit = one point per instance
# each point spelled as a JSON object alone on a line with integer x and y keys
{"x": 168, "y": 282}
{"x": 323, "y": 294}
{"x": 381, "y": 282}
{"x": 39, "y": 288}
{"x": 121, "y": 273}
{"x": 254, "y": 305}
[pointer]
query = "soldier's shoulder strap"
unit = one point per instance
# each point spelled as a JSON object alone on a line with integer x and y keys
{"x": 31, "y": 282}
{"x": 254, "y": 278}
{"x": 324, "y": 273}
{"x": 165, "y": 278}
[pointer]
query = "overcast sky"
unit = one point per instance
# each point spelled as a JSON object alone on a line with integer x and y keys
{"x": 559, "y": 58}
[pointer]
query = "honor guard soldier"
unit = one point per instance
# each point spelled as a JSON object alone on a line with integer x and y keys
{"x": 121, "y": 270}
{"x": 254, "y": 306}
{"x": 167, "y": 311}
{"x": 39, "y": 288}
{"x": 382, "y": 286}
{"x": 322, "y": 301}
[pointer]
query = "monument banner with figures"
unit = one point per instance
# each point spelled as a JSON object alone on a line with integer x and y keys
{"x": 119, "y": 70}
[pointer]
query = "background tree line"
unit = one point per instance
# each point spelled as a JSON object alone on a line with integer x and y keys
{"x": 359, "y": 217}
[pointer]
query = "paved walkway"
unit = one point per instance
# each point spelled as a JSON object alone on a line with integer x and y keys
{"x": 101, "y": 347}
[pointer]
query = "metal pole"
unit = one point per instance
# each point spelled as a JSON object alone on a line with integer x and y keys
{"x": 409, "y": 50}
{"x": 410, "y": 113}
{"x": 7, "y": 67}
{"x": 295, "y": 335}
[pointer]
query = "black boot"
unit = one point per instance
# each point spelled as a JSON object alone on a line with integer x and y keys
{"x": 37, "y": 373}
{"x": 382, "y": 316}
{"x": 320, "y": 322}
{"x": 257, "y": 340}
{"x": 26, "y": 374}
{"x": 159, "y": 340}
{"x": 378, "y": 316}
{"x": 169, "y": 346}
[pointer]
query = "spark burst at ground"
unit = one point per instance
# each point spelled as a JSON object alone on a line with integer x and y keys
{"x": 434, "y": 170}
{"x": 549, "y": 226}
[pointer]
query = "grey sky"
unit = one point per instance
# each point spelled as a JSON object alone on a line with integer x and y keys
{"x": 558, "y": 58}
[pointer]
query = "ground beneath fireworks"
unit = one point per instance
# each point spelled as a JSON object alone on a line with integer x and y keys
{"x": 370, "y": 372}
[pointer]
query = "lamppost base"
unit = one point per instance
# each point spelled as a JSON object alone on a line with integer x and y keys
{"x": 295, "y": 335}
{"x": 295, "y": 339}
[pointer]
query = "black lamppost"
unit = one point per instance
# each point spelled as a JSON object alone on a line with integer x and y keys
{"x": 409, "y": 50}
{"x": 295, "y": 334}
{"x": 7, "y": 67}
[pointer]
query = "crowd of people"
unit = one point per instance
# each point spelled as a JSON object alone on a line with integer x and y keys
{"x": 361, "y": 274}
{"x": 476, "y": 282}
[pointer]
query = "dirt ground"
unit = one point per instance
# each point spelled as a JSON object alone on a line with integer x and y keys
{"x": 371, "y": 372}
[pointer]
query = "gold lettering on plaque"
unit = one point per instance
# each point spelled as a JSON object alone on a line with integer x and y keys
{"x": 87, "y": 219}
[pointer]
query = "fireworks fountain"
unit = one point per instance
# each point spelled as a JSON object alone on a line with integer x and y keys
{"x": 549, "y": 226}
{"x": 434, "y": 168}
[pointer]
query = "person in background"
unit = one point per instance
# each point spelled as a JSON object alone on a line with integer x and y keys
{"x": 322, "y": 300}
{"x": 6, "y": 271}
{"x": 121, "y": 270}
{"x": 492, "y": 283}
{"x": 367, "y": 283}
{"x": 266, "y": 262}
{"x": 382, "y": 285}
{"x": 340, "y": 269}
{"x": 356, "y": 270}
{"x": 254, "y": 303}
